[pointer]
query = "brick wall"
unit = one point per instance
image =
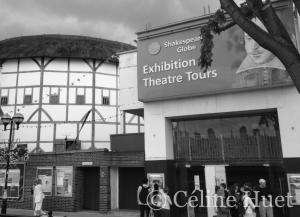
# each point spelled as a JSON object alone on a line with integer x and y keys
{"x": 99, "y": 158}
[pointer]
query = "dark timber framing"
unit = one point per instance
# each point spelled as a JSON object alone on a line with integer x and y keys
{"x": 39, "y": 105}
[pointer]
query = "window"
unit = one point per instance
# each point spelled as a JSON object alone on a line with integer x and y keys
{"x": 54, "y": 99}
{"x": 13, "y": 185}
{"x": 105, "y": 100}
{"x": 64, "y": 179}
{"x": 27, "y": 99}
{"x": 80, "y": 99}
{"x": 45, "y": 175}
{"x": 4, "y": 100}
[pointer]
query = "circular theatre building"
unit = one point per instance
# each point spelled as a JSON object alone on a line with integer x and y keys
{"x": 66, "y": 87}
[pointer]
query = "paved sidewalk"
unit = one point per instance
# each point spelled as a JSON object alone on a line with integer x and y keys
{"x": 116, "y": 213}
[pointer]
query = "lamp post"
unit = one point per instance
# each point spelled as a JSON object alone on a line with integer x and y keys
{"x": 17, "y": 119}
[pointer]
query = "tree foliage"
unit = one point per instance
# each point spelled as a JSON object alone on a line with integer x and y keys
{"x": 276, "y": 40}
{"x": 13, "y": 155}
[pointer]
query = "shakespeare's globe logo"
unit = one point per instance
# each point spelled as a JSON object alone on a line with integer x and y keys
{"x": 154, "y": 48}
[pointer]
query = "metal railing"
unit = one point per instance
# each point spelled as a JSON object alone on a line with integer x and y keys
{"x": 227, "y": 148}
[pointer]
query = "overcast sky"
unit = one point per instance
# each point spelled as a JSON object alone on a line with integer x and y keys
{"x": 111, "y": 19}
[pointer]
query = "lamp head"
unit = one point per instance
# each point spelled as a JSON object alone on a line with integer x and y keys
{"x": 18, "y": 119}
{"x": 5, "y": 119}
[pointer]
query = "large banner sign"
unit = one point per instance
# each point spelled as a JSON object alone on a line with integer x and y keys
{"x": 168, "y": 63}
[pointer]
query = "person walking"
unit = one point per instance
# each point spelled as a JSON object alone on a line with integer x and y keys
{"x": 166, "y": 203}
{"x": 38, "y": 196}
{"x": 235, "y": 199}
{"x": 248, "y": 203}
{"x": 142, "y": 195}
{"x": 32, "y": 191}
{"x": 156, "y": 200}
{"x": 222, "y": 209}
{"x": 265, "y": 199}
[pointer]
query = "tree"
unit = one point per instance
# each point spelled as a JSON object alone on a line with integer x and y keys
{"x": 276, "y": 40}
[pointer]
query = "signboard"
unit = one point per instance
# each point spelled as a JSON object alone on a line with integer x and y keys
{"x": 45, "y": 175}
{"x": 168, "y": 63}
{"x": 15, "y": 181}
{"x": 294, "y": 188}
{"x": 156, "y": 178}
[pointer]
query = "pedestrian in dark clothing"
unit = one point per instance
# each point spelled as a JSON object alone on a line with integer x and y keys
{"x": 235, "y": 199}
{"x": 142, "y": 195}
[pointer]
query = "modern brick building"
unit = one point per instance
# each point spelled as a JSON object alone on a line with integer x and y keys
{"x": 237, "y": 122}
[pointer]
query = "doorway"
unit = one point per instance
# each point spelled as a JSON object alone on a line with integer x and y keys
{"x": 246, "y": 174}
{"x": 129, "y": 180}
{"x": 91, "y": 183}
{"x": 196, "y": 177}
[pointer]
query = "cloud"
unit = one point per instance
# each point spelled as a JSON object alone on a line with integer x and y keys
{"x": 113, "y": 19}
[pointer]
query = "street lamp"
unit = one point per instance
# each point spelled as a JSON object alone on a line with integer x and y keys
{"x": 17, "y": 119}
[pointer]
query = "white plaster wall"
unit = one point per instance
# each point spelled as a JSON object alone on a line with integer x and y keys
{"x": 88, "y": 95}
{"x": 86, "y": 145}
{"x": 31, "y": 146}
{"x": 28, "y": 64}
{"x": 101, "y": 145}
{"x": 47, "y": 132}
{"x": 81, "y": 79}
{"x": 285, "y": 99}
{"x": 86, "y": 132}
{"x": 29, "y": 79}
{"x": 20, "y": 95}
{"x": 113, "y": 97}
{"x": 98, "y": 95}
{"x": 4, "y": 92}
{"x": 107, "y": 69}
{"x": 55, "y": 78}
{"x": 66, "y": 130}
{"x": 12, "y": 96}
{"x": 63, "y": 95}
{"x": 58, "y": 64}
{"x": 27, "y": 132}
{"x": 8, "y": 109}
{"x": 76, "y": 112}
{"x": 103, "y": 131}
{"x": 8, "y": 80}
{"x": 79, "y": 65}
{"x": 46, "y": 95}
{"x": 128, "y": 81}
{"x": 10, "y": 66}
{"x": 72, "y": 95}
{"x": 107, "y": 112}
{"x": 108, "y": 81}
{"x": 131, "y": 128}
{"x": 56, "y": 112}
{"x": 27, "y": 111}
{"x": 47, "y": 147}
{"x": 36, "y": 95}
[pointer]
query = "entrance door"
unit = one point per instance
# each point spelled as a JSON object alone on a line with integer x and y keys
{"x": 129, "y": 180}
{"x": 196, "y": 177}
{"x": 91, "y": 181}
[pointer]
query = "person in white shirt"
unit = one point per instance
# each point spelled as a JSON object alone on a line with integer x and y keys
{"x": 166, "y": 203}
{"x": 248, "y": 204}
{"x": 38, "y": 196}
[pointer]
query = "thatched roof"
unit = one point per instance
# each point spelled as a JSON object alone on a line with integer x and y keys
{"x": 60, "y": 46}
